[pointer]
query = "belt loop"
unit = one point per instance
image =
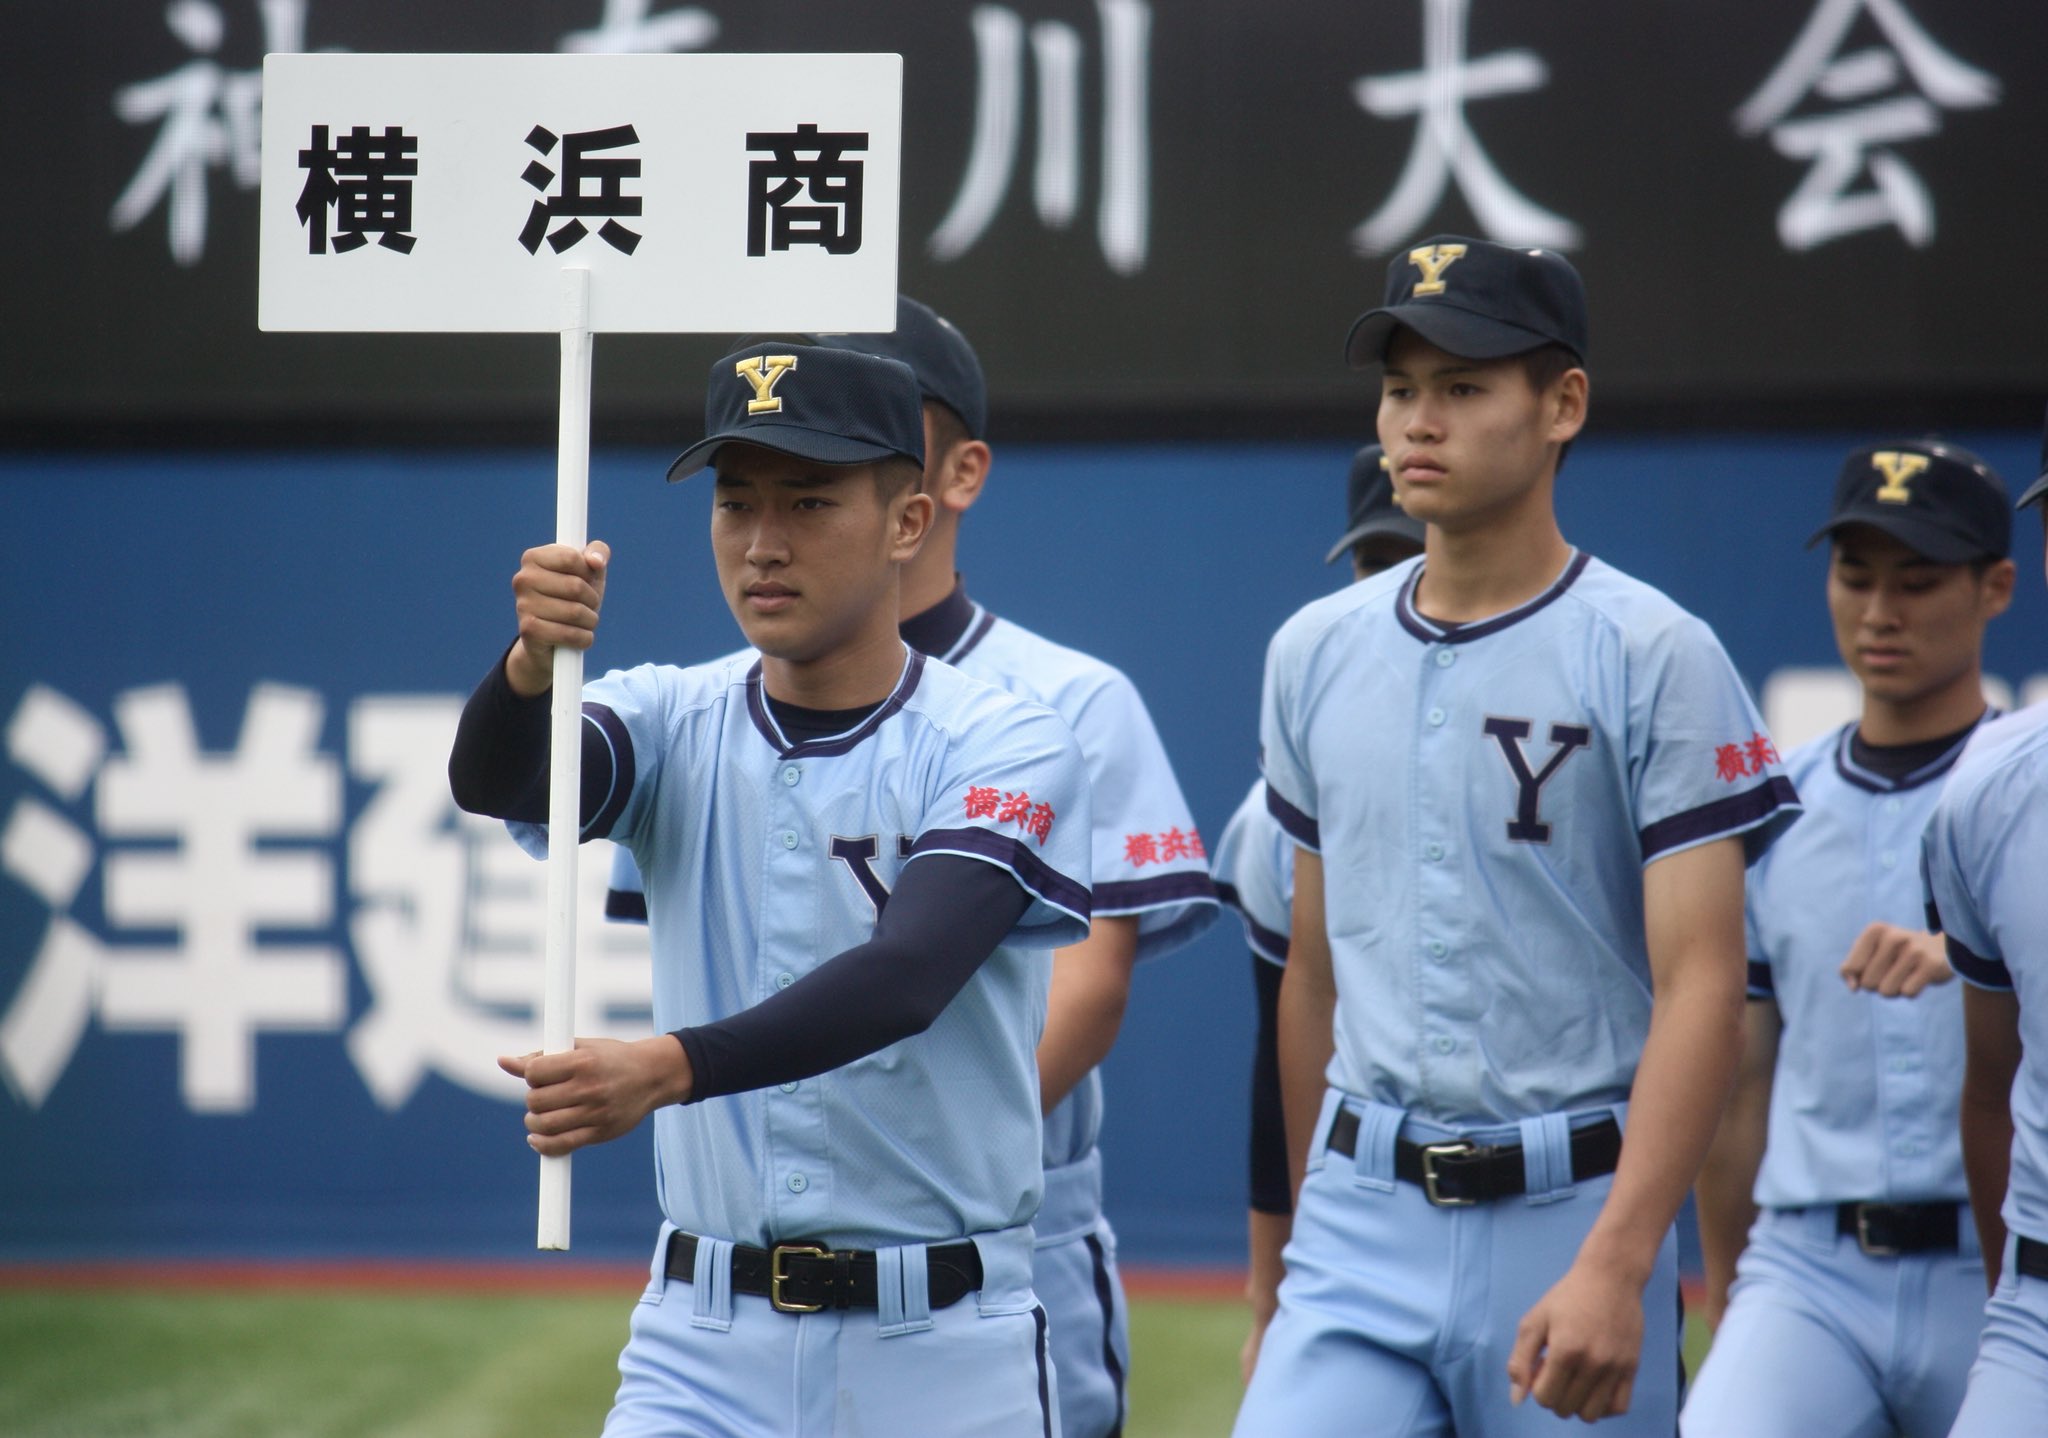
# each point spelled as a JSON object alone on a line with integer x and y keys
{"x": 1372, "y": 1161}
{"x": 903, "y": 1290}
{"x": 711, "y": 1284}
{"x": 1547, "y": 1158}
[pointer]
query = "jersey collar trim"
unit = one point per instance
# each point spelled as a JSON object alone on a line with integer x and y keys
{"x": 939, "y": 628}
{"x": 1431, "y": 632}
{"x": 1876, "y": 783}
{"x": 757, "y": 710}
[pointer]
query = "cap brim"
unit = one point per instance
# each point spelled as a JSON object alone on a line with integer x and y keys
{"x": 1450, "y": 329}
{"x": 2036, "y": 492}
{"x": 791, "y": 439}
{"x": 1399, "y": 526}
{"x": 1926, "y": 540}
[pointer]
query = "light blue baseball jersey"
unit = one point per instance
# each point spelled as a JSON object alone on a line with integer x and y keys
{"x": 763, "y": 859}
{"x": 1987, "y": 877}
{"x": 1485, "y": 797}
{"x": 1254, "y": 873}
{"x": 1148, "y": 858}
{"x": 1863, "y": 1104}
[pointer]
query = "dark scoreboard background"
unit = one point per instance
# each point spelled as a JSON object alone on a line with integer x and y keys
{"x": 1248, "y": 162}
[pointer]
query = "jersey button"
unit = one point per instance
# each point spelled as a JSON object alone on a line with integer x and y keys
{"x": 791, "y": 775}
{"x": 1438, "y": 949}
{"x": 797, "y": 1183}
{"x": 784, "y": 979}
{"x": 1445, "y": 1043}
{"x": 1433, "y": 850}
{"x": 1887, "y": 859}
{"x": 789, "y": 1088}
{"x": 1445, "y": 658}
{"x": 789, "y": 838}
{"x": 1436, "y": 716}
{"x": 1891, "y": 806}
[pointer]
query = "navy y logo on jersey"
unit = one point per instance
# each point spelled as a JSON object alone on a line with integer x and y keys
{"x": 859, "y": 857}
{"x": 1527, "y": 827}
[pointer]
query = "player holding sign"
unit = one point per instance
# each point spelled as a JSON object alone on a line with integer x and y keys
{"x": 1985, "y": 853}
{"x": 1151, "y": 893}
{"x": 1861, "y": 1289}
{"x": 857, "y": 865}
{"x": 1523, "y": 787}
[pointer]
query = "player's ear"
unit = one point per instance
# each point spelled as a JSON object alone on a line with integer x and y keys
{"x": 962, "y": 474}
{"x": 1565, "y": 402}
{"x": 910, "y": 520}
{"x": 1994, "y": 589}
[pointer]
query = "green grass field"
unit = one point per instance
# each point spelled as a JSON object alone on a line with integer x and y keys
{"x": 195, "y": 1363}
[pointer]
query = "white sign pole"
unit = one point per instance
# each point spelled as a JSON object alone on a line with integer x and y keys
{"x": 565, "y": 777}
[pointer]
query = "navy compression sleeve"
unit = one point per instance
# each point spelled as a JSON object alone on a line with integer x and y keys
{"x": 1271, "y": 1190}
{"x": 944, "y": 919}
{"x": 499, "y": 763}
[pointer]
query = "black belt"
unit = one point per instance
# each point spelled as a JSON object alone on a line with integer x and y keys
{"x": 1885, "y": 1230}
{"x": 2032, "y": 1258}
{"x": 805, "y": 1277}
{"x": 1459, "y": 1173}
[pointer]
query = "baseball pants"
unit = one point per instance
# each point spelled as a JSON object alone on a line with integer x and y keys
{"x": 703, "y": 1362}
{"x": 1397, "y": 1316}
{"x": 1073, "y": 1271}
{"x": 2008, "y": 1391}
{"x": 1821, "y": 1337}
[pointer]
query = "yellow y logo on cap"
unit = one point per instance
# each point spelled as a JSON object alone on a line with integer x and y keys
{"x": 1433, "y": 260}
{"x": 764, "y": 372}
{"x": 1897, "y": 467}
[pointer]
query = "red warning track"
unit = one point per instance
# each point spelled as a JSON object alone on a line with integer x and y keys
{"x": 529, "y": 1276}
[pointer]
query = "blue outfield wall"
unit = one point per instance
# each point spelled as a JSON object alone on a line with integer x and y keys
{"x": 253, "y": 970}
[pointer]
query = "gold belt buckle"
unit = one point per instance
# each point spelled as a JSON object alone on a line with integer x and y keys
{"x": 776, "y": 1277}
{"x": 1430, "y": 1154}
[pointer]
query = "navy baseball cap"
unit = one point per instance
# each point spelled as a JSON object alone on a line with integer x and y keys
{"x": 1372, "y": 508}
{"x": 1476, "y": 300}
{"x": 2038, "y": 490}
{"x": 937, "y": 353}
{"x": 833, "y": 406}
{"x": 1937, "y": 499}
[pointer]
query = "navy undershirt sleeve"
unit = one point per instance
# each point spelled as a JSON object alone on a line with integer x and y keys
{"x": 944, "y": 919}
{"x": 1271, "y": 1191}
{"x": 499, "y": 763}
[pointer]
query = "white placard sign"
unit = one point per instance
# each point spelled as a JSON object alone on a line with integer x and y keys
{"x": 706, "y": 193}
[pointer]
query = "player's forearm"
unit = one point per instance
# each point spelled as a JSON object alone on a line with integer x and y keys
{"x": 1267, "y": 1234}
{"x": 1306, "y": 1018}
{"x": 1987, "y": 1132}
{"x": 1267, "y": 1153}
{"x": 1687, "y": 1068}
{"x": 1091, "y": 985}
{"x": 498, "y": 764}
{"x": 1726, "y": 1207}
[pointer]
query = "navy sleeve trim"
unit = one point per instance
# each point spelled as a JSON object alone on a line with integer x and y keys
{"x": 1984, "y": 973}
{"x": 1721, "y": 818}
{"x": 625, "y": 905}
{"x": 1129, "y": 896}
{"x": 1041, "y": 878}
{"x": 1761, "y": 984}
{"x": 1268, "y": 945}
{"x": 1299, "y": 826}
{"x": 620, "y": 772}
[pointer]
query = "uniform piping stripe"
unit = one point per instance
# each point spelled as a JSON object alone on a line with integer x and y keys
{"x": 1265, "y": 943}
{"x": 1131, "y": 896}
{"x": 626, "y": 905}
{"x": 1044, "y": 1373}
{"x": 1302, "y": 829}
{"x": 1726, "y": 816}
{"x": 757, "y": 710}
{"x": 1033, "y": 872}
{"x": 1984, "y": 973}
{"x": 620, "y": 743}
{"x": 1105, "y": 1298}
{"x": 974, "y": 637}
{"x": 1413, "y": 620}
